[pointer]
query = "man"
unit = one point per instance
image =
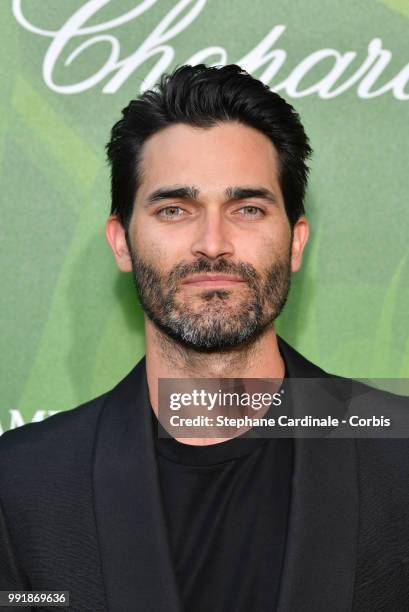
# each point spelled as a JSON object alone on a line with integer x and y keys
{"x": 208, "y": 180}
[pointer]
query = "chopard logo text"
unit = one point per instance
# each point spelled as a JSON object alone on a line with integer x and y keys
{"x": 268, "y": 57}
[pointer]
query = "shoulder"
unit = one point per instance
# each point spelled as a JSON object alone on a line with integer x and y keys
{"x": 356, "y": 398}
{"x": 62, "y": 440}
{"x": 63, "y": 443}
{"x": 54, "y": 428}
{"x": 381, "y": 432}
{"x": 357, "y": 390}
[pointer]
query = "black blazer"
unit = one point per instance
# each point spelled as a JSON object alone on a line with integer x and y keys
{"x": 81, "y": 510}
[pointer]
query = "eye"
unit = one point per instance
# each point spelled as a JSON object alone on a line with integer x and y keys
{"x": 170, "y": 212}
{"x": 252, "y": 211}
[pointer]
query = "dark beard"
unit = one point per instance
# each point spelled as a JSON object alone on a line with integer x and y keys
{"x": 216, "y": 325}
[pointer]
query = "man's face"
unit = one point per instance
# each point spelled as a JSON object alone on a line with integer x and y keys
{"x": 209, "y": 238}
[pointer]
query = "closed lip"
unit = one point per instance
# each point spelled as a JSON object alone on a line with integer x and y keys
{"x": 203, "y": 278}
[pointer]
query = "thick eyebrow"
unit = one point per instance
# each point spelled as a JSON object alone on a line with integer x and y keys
{"x": 244, "y": 193}
{"x": 184, "y": 192}
{"x": 189, "y": 192}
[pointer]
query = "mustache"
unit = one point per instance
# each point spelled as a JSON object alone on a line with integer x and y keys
{"x": 244, "y": 271}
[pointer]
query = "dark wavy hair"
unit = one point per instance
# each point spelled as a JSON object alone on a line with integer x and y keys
{"x": 204, "y": 96}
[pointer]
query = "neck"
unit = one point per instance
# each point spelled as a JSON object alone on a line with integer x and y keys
{"x": 167, "y": 358}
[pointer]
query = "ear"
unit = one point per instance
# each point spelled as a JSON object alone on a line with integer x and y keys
{"x": 115, "y": 235}
{"x": 300, "y": 236}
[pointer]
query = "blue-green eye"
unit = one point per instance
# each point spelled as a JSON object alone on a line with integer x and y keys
{"x": 254, "y": 211}
{"x": 169, "y": 208}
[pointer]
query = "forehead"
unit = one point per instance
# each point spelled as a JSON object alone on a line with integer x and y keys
{"x": 211, "y": 158}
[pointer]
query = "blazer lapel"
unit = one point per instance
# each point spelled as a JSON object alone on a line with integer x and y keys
{"x": 319, "y": 565}
{"x": 134, "y": 546}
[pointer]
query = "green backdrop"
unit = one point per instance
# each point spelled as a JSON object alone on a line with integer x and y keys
{"x": 71, "y": 327}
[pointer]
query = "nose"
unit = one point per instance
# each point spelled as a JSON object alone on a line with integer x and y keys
{"x": 212, "y": 238}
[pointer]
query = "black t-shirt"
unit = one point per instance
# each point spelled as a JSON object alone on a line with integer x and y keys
{"x": 226, "y": 507}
